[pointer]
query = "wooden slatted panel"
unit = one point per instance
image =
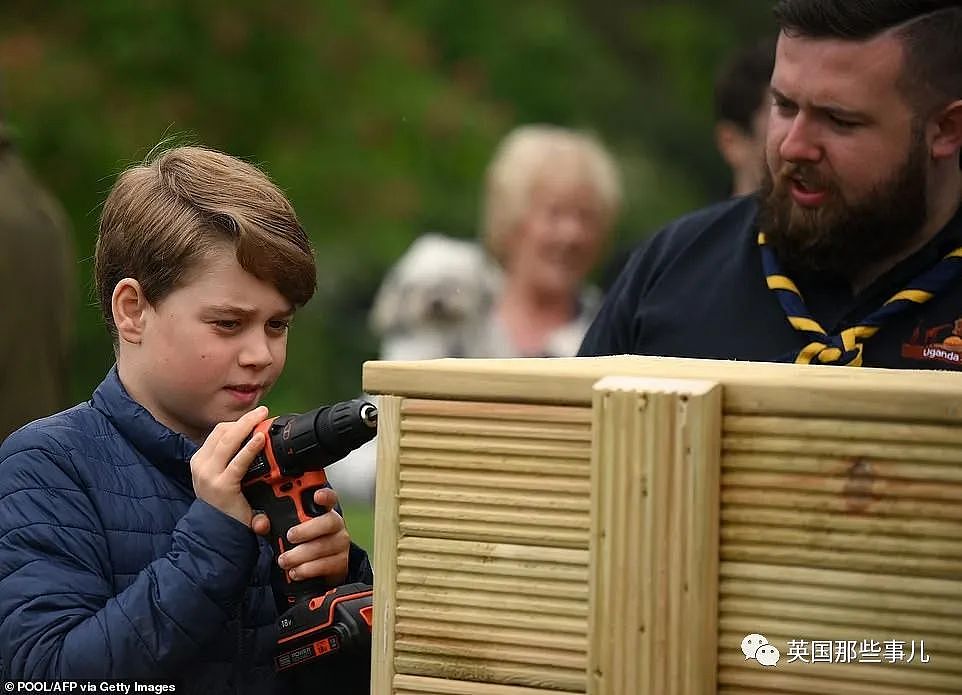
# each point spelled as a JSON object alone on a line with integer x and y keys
{"x": 417, "y": 685}
{"x": 839, "y": 530}
{"x": 505, "y": 473}
{"x": 493, "y": 507}
{"x": 863, "y": 517}
{"x": 654, "y": 584}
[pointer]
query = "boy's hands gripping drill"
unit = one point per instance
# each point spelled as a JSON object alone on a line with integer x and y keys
{"x": 327, "y": 628}
{"x": 322, "y": 545}
{"x": 219, "y": 466}
{"x": 222, "y": 461}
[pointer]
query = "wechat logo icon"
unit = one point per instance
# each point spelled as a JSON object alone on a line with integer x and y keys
{"x": 757, "y": 647}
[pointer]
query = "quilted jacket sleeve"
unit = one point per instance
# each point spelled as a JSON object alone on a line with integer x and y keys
{"x": 359, "y": 566}
{"x": 59, "y": 616}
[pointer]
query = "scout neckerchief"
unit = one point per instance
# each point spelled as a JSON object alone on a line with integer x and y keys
{"x": 846, "y": 347}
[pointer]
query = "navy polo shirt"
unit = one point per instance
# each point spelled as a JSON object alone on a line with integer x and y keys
{"x": 697, "y": 289}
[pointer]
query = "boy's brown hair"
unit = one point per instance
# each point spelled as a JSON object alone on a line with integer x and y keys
{"x": 164, "y": 216}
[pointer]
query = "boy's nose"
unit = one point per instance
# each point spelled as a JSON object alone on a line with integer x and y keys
{"x": 256, "y": 353}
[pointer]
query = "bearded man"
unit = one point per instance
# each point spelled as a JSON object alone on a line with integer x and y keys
{"x": 851, "y": 253}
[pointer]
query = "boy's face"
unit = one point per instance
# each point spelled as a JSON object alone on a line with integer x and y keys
{"x": 211, "y": 349}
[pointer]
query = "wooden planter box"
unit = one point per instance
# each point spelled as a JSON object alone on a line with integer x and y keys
{"x": 619, "y": 525}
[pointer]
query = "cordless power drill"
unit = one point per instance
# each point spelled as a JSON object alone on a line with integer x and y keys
{"x": 322, "y": 630}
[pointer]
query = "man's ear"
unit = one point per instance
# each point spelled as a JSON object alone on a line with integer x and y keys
{"x": 129, "y": 307}
{"x": 730, "y": 141}
{"x": 947, "y": 140}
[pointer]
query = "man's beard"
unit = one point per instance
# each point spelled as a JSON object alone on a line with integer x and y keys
{"x": 839, "y": 237}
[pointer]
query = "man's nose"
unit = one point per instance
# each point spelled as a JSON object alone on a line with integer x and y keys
{"x": 800, "y": 143}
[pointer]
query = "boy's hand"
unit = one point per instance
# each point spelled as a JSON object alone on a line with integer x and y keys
{"x": 323, "y": 545}
{"x": 220, "y": 464}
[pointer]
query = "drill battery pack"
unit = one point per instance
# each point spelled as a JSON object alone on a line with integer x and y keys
{"x": 332, "y": 628}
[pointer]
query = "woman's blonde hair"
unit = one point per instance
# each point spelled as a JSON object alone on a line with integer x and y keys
{"x": 533, "y": 154}
{"x": 163, "y": 217}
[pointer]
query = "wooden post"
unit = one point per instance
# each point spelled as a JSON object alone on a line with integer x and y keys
{"x": 654, "y": 541}
{"x": 385, "y": 553}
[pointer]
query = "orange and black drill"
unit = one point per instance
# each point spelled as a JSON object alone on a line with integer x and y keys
{"x": 322, "y": 629}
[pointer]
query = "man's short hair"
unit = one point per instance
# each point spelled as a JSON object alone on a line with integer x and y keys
{"x": 163, "y": 217}
{"x": 931, "y": 31}
{"x": 742, "y": 84}
{"x": 534, "y": 154}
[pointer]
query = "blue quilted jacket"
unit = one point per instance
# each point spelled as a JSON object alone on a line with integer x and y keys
{"x": 111, "y": 568}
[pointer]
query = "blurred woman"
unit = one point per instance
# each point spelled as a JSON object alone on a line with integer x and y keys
{"x": 551, "y": 197}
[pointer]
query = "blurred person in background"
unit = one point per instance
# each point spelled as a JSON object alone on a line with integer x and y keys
{"x": 37, "y": 285}
{"x": 742, "y": 104}
{"x": 551, "y": 198}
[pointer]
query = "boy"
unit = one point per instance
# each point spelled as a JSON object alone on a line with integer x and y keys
{"x": 126, "y": 545}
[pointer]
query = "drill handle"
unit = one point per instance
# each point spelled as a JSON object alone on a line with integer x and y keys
{"x": 287, "y": 505}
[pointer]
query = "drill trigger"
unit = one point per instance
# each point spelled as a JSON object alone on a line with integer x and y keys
{"x": 310, "y": 507}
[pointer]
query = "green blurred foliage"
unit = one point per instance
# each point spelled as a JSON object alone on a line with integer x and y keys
{"x": 377, "y": 118}
{"x": 359, "y": 519}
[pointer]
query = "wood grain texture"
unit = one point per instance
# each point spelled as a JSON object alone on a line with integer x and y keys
{"x": 904, "y": 396}
{"x": 837, "y": 498}
{"x": 653, "y": 605}
{"x": 385, "y": 553}
{"x": 491, "y": 545}
{"x": 839, "y": 529}
{"x": 418, "y": 685}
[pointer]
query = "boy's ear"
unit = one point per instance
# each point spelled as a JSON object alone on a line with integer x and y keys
{"x": 948, "y": 134}
{"x": 129, "y": 307}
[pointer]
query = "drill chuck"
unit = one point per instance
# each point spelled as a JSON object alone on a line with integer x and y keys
{"x": 318, "y": 438}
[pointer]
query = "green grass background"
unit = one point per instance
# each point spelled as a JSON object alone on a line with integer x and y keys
{"x": 359, "y": 518}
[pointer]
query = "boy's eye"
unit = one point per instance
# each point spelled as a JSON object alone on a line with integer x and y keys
{"x": 279, "y": 325}
{"x": 227, "y": 324}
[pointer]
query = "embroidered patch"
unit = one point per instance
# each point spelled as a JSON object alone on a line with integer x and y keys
{"x": 941, "y": 343}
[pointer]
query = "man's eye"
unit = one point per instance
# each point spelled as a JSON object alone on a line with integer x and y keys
{"x": 227, "y": 324}
{"x": 842, "y": 123}
{"x": 785, "y": 107}
{"x": 279, "y": 325}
